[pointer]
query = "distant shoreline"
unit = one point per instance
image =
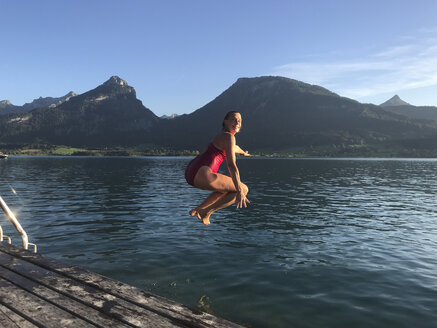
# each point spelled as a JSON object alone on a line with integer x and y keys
{"x": 50, "y": 150}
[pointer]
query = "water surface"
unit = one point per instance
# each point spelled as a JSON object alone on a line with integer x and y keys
{"x": 324, "y": 243}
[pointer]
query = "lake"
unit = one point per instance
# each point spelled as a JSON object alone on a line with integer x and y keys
{"x": 324, "y": 242}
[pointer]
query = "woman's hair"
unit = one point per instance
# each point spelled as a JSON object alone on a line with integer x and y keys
{"x": 228, "y": 115}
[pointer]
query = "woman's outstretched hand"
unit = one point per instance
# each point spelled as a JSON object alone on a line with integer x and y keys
{"x": 242, "y": 200}
{"x": 246, "y": 153}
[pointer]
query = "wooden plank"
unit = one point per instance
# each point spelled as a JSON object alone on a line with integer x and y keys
{"x": 108, "y": 304}
{"x": 65, "y": 303}
{"x": 10, "y": 319}
{"x": 36, "y": 310}
{"x": 178, "y": 313}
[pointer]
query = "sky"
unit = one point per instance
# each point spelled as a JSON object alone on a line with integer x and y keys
{"x": 180, "y": 54}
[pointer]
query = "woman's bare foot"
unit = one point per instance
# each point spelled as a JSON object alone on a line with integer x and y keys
{"x": 204, "y": 216}
{"x": 201, "y": 215}
{"x": 195, "y": 212}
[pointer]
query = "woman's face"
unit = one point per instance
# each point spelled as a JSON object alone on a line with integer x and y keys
{"x": 233, "y": 123}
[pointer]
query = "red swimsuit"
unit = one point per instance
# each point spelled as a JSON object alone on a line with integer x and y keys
{"x": 211, "y": 157}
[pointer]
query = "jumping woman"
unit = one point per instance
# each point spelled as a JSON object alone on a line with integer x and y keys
{"x": 201, "y": 172}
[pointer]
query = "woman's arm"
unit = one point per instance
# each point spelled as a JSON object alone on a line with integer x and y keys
{"x": 230, "y": 148}
{"x": 240, "y": 151}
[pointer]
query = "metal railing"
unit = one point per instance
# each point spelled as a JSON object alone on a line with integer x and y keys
{"x": 3, "y": 236}
{"x": 17, "y": 225}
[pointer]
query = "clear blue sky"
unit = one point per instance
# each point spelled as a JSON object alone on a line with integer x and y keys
{"x": 179, "y": 55}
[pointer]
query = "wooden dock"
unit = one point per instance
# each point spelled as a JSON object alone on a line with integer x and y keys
{"x": 36, "y": 291}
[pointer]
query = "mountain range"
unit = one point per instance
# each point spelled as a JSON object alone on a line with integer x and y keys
{"x": 6, "y": 107}
{"x": 279, "y": 115}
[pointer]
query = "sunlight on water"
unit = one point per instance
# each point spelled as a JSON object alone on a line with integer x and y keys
{"x": 324, "y": 243}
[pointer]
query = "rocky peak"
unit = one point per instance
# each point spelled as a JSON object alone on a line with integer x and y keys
{"x": 67, "y": 97}
{"x": 4, "y": 103}
{"x": 395, "y": 101}
{"x": 115, "y": 80}
{"x": 113, "y": 88}
{"x": 6, "y": 107}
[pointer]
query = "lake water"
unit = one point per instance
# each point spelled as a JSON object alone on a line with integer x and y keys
{"x": 324, "y": 243}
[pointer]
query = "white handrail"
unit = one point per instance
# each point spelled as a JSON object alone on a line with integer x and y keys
{"x": 3, "y": 236}
{"x": 17, "y": 225}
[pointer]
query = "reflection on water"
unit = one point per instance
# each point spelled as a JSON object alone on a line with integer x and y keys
{"x": 324, "y": 243}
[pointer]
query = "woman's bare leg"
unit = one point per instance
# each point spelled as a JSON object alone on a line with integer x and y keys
{"x": 219, "y": 184}
{"x": 211, "y": 199}
{"x": 225, "y": 201}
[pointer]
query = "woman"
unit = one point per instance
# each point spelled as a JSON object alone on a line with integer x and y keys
{"x": 201, "y": 172}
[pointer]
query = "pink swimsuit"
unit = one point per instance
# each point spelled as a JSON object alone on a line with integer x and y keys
{"x": 211, "y": 157}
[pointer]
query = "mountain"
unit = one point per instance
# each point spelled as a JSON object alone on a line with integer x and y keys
{"x": 394, "y": 101}
{"x": 6, "y": 107}
{"x": 281, "y": 114}
{"x": 108, "y": 115}
{"x": 398, "y": 106}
